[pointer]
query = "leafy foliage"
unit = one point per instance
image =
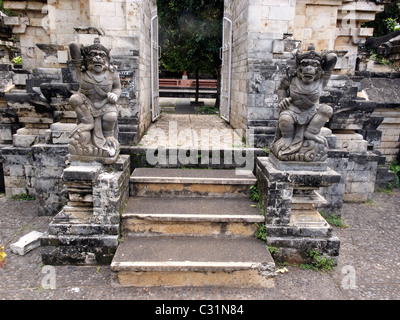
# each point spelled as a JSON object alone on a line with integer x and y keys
{"x": 22, "y": 197}
{"x": 395, "y": 167}
{"x": 6, "y": 11}
{"x": 318, "y": 262}
{"x": 261, "y": 232}
{"x": 207, "y": 110}
{"x": 272, "y": 250}
{"x": 17, "y": 60}
{"x": 334, "y": 220}
{"x": 254, "y": 193}
{"x": 2, "y": 257}
{"x": 386, "y": 21}
{"x": 190, "y": 34}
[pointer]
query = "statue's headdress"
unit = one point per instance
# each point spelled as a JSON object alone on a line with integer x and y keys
{"x": 311, "y": 54}
{"x": 96, "y": 46}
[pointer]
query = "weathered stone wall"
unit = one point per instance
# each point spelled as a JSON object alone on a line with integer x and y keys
{"x": 27, "y": 28}
{"x": 331, "y": 25}
{"x": 8, "y": 117}
{"x": 266, "y": 32}
{"x": 86, "y": 231}
{"x": 7, "y": 47}
{"x": 35, "y": 113}
{"x": 292, "y": 222}
{"x": 381, "y": 89}
{"x": 36, "y": 171}
{"x": 48, "y": 165}
{"x": 45, "y": 29}
{"x": 335, "y": 25}
{"x": 390, "y": 127}
{"x": 358, "y": 171}
{"x": 126, "y": 25}
{"x": 18, "y": 171}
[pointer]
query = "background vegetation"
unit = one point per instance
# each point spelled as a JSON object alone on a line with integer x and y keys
{"x": 190, "y": 35}
{"x": 386, "y": 21}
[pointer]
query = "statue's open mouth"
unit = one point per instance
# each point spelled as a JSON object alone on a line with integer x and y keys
{"x": 308, "y": 76}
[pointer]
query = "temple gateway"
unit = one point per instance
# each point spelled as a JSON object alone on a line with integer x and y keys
{"x": 307, "y": 121}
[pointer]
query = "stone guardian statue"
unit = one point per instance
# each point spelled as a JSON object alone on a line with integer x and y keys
{"x": 301, "y": 118}
{"x": 96, "y": 135}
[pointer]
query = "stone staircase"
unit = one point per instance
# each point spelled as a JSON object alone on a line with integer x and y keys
{"x": 191, "y": 227}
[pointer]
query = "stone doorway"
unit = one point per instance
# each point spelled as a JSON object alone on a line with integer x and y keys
{"x": 190, "y": 23}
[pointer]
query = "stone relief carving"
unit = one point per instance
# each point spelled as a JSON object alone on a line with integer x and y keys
{"x": 301, "y": 118}
{"x": 96, "y": 133}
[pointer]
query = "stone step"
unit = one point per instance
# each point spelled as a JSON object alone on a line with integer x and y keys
{"x": 127, "y": 128}
{"x": 309, "y": 218}
{"x": 156, "y": 156}
{"x": 222, "y": 183}
{"x": 307, "y": 199}
{"x": 190, "y": 216}
{"x": 192, "y": 261}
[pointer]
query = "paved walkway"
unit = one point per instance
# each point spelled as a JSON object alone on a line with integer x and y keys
{"x": 191, "y": 130}
{"x": 369, "y": 246}
{"x": 185, "y": 128}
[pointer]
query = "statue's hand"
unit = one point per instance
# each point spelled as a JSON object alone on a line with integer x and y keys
{"x": 329, "y": 61}
{"x": 285, "y": 103}
{"x": 75, "y": 51}
{"x": 112, "y": 98}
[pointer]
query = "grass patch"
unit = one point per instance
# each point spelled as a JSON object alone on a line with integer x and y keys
{"x": 384, "y": 190}
{"x": 370, "y": 202}
{"x": 261, "y": 233}
{"x": 254, "y": 193}
{"x": 318, "y": 262}
{"x": 272, "y": 250}
{"x": 24, "y": 228}
{"x": 206, "y": 110}
{"x": 22, "y": 197}
{"x": 395, "y": 167}
{"x": 334, "y": 220}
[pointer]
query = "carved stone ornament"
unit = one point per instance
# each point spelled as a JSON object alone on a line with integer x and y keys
{"x": 95, "y": 138}
{"x": 298, "y": 136}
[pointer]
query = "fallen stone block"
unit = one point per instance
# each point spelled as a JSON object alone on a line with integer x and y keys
{"x": 27, "y": 243}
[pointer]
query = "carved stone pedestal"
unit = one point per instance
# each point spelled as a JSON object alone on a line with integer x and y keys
{"x": 86, "y": 230}
{"x": 289, "y": 197}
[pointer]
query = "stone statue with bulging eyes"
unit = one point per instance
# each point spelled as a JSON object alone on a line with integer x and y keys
{"x": 96, "y": 133}
{"x": 301, "y": 118}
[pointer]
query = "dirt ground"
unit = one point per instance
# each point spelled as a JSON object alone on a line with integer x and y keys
{"x": 369, "y": 264}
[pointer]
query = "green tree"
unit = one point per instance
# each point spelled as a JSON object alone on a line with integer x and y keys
{"x": 190, "y": 34}
{"x": 385, "y": 22}
{"x": 6, "y": 11}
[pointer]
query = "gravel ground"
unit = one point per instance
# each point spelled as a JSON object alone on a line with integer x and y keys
{"x": 369, "y": 249}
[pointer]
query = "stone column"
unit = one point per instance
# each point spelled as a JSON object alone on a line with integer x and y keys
{"x": 289, "y": 195}
{"x": 86, "y": 230}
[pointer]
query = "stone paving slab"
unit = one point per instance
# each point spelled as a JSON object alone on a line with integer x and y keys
{"x": 184, "y": 130}
{"x": 370, "y": 246}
